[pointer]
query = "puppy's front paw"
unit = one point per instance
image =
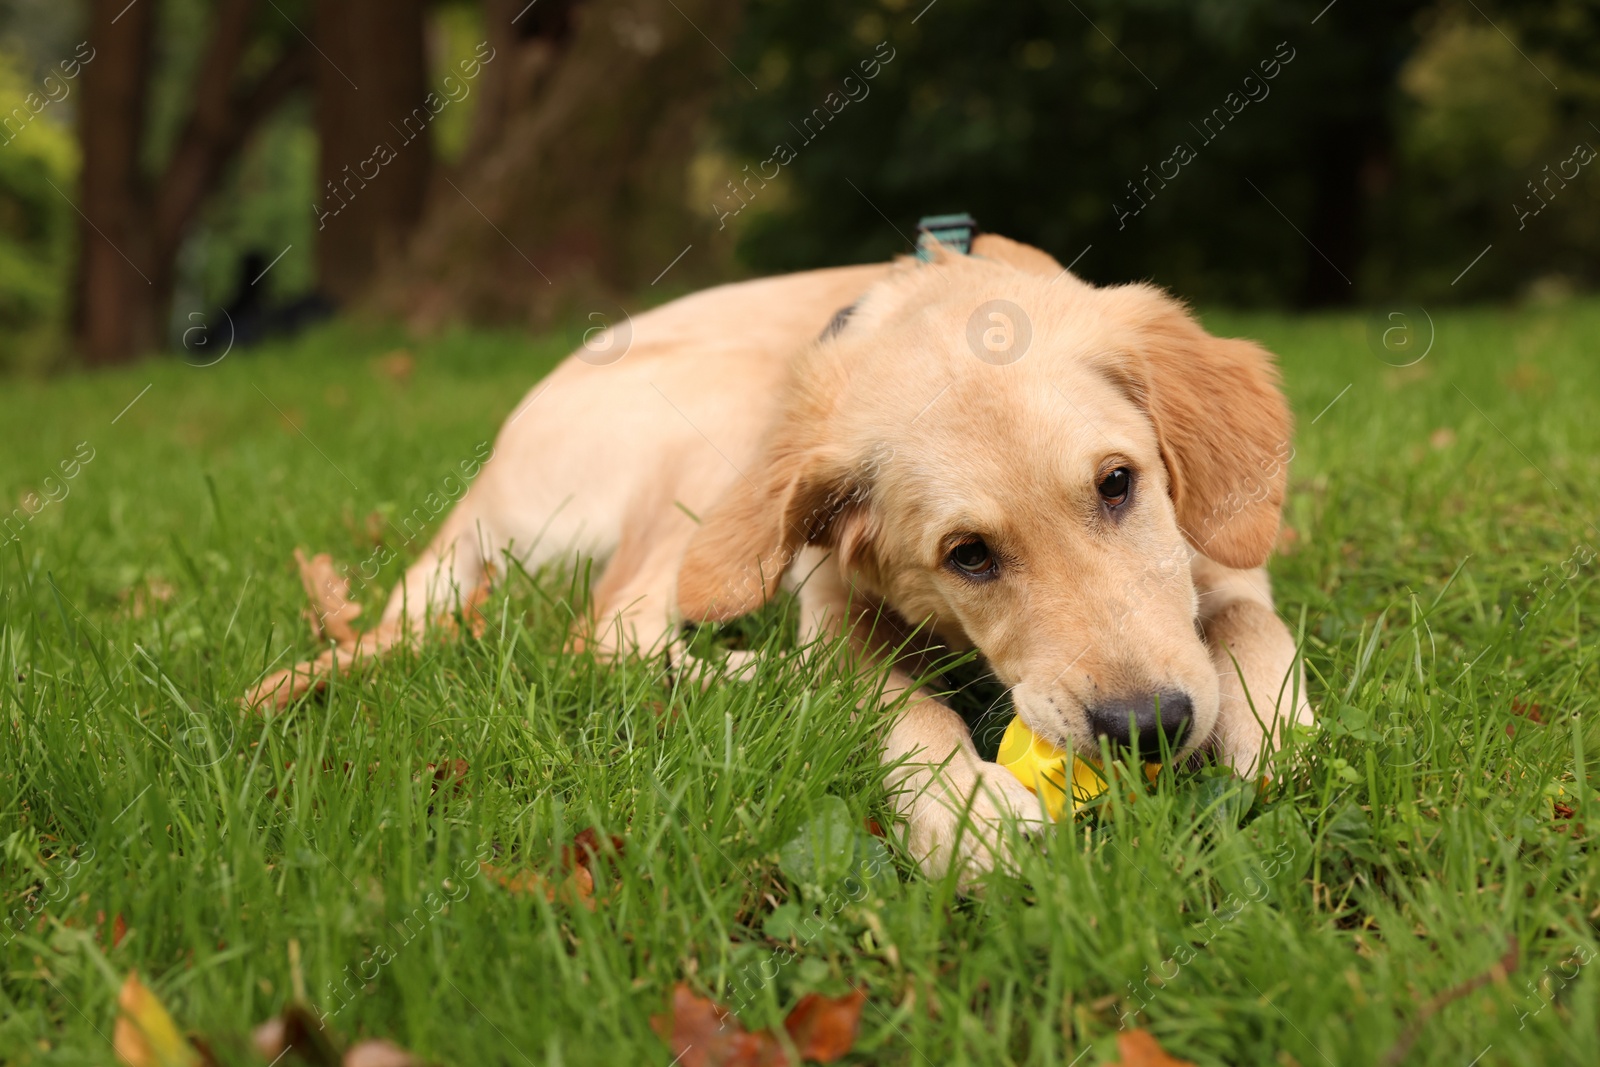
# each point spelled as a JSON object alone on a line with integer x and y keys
{"x": 956, "y": 816}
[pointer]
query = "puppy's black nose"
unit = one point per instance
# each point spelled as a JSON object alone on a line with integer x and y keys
{"x": 1139, "y": 722}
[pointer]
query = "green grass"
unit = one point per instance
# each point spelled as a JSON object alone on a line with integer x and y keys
{"x": 1392, "y": 860}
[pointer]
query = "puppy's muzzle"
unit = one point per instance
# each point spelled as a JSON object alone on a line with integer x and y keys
{"x": 1144, "y": 721}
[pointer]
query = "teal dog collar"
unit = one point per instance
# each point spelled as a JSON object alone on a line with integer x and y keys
{"x": 953, "y": 231}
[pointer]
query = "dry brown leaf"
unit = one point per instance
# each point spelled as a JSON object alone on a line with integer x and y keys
{"x": 145, "y": 1035}
{"x": 379, "y": 1053}
{"x": 1137, "y": 1048}
{"x": 702, "y": 1033}
{"x": 1526, "y": 377}
{"x": 281, "y": 688}
{"x": 397, "y": 366}
{"x": 300, "y": 1029}
{"x": 575, "y": 886}
{"x": 1529, "y": 711}
{"x": 452, "y": 772}
{"x": 332, "y": 610}
{"x": 581, "y": 883}
{"x": 119, "y": 928}
{"x": 270, "y": 1038}
{"x": 518, "y": 883}
{"x": 662, "y": 712}
{"x": 824, "y": 1028}
{"x": 585, "y": 847}
{"x": 330, "y": 614}
{"x": 138, "y": 598}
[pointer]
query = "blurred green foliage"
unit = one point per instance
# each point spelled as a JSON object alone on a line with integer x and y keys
{"x": 1397, "y": 140}
{"x": 1479, "y": 122}
{"x": 36, "y": 221}
{"x": 455, "y": 32}
{"x": 264, "y": 206}
{"x": 1400, "y": 141}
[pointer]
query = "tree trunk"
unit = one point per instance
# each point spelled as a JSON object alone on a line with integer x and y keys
{"x": 373, "y": 118}
{"x": 116, "y": 303}
{"x": 132, "y": 229}
{"x": 573, "y": 187}
{"x": 224, "y": 116}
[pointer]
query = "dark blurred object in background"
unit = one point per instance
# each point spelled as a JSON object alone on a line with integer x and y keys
{"x": 253, "y": 316}
{"x": 501, "y": 161}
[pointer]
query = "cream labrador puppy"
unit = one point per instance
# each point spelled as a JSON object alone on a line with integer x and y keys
{"x": 982, "y": 451}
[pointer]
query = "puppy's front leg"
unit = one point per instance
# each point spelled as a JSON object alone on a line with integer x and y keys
{"x": 1261, "y": 684}
{"x": 953, "y": 803}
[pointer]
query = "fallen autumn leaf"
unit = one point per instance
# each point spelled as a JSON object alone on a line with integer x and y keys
{"x": 702, "y": 1033}
{"x": 145, "y": 1035}
{"x": 1137, "y": 1048}
{"x": 824, "y": 1028}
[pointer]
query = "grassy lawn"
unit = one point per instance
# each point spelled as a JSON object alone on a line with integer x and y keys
{"x": 1356, "y": 909}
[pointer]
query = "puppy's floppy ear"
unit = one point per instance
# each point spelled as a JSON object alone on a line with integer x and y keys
{"x": 1224, "y": 428}
{"x": 792, "y": 498}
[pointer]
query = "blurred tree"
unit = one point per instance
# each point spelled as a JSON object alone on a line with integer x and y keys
{"x": 135, "y": 214}
{"x": 572, "y": 183}
{"x": 36, "y": 227}
{"x": 1306, "y": 154}
{"x": 1055, "y": 123}
{"x": 1498, "y": 110}
{"x": 373, "y": 129}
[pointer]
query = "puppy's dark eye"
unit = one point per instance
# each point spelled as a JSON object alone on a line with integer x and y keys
{"x": 1114, "y": 486}
{"x": 973, "y": 557}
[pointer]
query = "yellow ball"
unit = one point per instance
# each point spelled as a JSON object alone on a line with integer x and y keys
{"x": 1042, "y": 767}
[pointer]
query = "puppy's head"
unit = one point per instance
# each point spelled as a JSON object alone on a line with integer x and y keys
{"x": 1042, "y": 507}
